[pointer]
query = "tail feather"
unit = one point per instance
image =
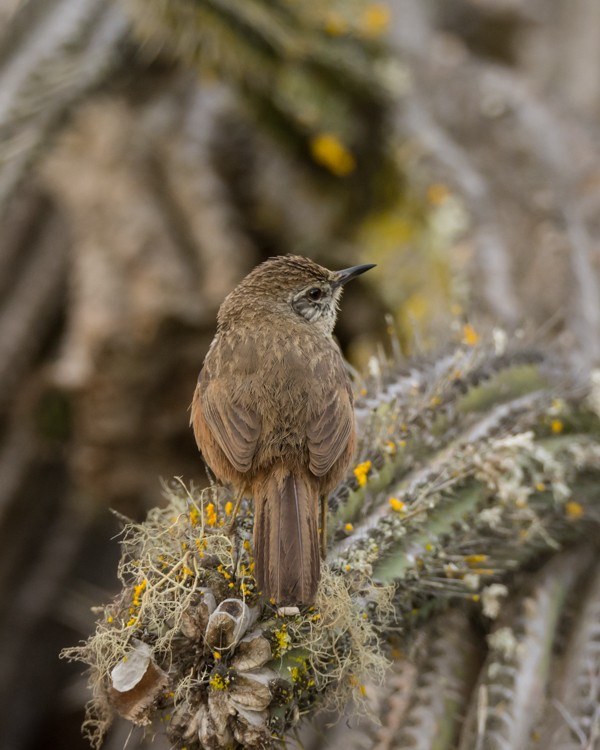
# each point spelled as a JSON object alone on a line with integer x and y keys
{"x": 286, "y": 538}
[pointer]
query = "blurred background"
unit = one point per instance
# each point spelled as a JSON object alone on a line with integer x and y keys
{"x": 153, "y": 151}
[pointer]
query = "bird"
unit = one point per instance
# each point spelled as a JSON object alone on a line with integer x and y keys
{"x": 273, "y": 414}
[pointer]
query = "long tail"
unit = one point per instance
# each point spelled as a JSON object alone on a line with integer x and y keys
{"x": 286, "y": 538}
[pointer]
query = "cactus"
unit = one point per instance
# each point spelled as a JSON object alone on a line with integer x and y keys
{"x": 41, "y": 81}
{"x": 473, "y": 470}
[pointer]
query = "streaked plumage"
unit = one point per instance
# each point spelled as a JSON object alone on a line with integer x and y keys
{"x": 273, "y": 413}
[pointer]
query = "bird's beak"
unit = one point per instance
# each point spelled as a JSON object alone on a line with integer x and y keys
{"x": 342, "y": 277}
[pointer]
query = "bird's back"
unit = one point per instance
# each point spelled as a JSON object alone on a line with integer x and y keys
{"x": 273, "y": 413}
{"x": 284, "y": 381}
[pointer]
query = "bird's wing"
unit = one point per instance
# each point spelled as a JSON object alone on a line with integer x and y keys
{"x": 235, "y": 427}
{"x": 331, "y": 428}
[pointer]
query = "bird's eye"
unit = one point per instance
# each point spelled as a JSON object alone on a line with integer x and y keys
{"x": 315, "y": 293}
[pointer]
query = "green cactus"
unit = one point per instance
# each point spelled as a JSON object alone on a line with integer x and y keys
{"x": 472, "y": 472}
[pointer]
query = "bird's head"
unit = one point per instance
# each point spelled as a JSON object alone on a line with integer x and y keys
{"x": 291, "y": 285}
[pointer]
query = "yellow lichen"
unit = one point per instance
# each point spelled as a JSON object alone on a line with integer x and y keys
{"x": 375, "y": 19}
{"x": 475, "y": 559}
{"x": 335, "y": 24}
{"x": 470, "y": 335}
{"x": 397, "y": 505}
{"x": 361, "y": 472}
{"x": 437, "y": 193}
{"x": 357, "y": 684}
{"x": 217, "y": 682}
{"x": 390, "y": 447}
{"x": 245, "y": 589}
{"x": 282, "y": 640}
{"x": 211, "y": 514}
{"x": 329, "y": 151}
{"x": 137, "y": 592}
{"x": 574, "y": 510}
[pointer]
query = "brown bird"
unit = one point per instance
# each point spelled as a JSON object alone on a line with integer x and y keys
{"x": 273, "y": 413}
